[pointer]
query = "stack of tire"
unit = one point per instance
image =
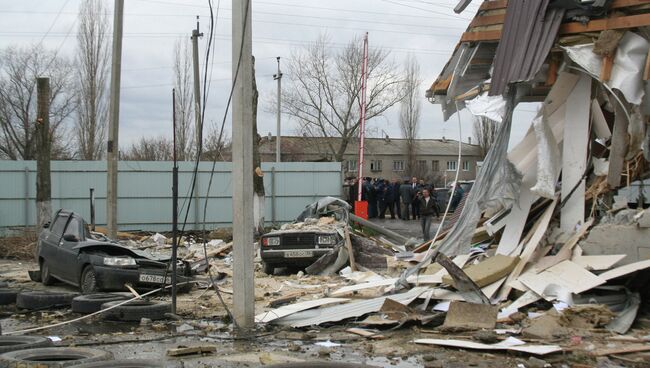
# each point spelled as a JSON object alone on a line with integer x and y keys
{"x": 133, "y": 311}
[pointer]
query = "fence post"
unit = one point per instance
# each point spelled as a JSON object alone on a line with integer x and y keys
{"x": 26, "y": 197}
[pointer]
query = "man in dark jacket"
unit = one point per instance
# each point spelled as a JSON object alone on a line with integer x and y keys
{"x": 372, "y": 198}
{"x": 394, "y": 188}
{"x": 406, "y": 194}
{"x": 386, "y": 200}
{"x": 427, "y": 209}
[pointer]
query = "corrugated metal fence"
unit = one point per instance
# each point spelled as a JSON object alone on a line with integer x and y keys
{"x": 145, "y": 191}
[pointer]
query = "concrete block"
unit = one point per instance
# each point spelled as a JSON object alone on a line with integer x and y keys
{"x": 489, "y": 271}
{"x": 607, "y": 239}
{"x": 471, "y": 316}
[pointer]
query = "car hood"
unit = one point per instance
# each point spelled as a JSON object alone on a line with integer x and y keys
{"x": 136, "y": 253}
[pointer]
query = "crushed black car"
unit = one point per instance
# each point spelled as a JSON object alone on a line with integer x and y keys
{"x": 301, "y": 243}
{"x": 67, "y": 251}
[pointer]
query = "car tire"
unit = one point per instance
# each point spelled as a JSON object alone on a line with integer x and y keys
{"x": 46, "y": 278}
{"x": 88, "y": 281}
{"x": 125, "y": 363}
{"x": 91, "y": 303}
{"x": 53, "y": 357}
{"x": 7, "y": 296}
{"x": 136, "y": 310}
{"x": 268, "y": 269}
{"x": 12, "y": 343}
{"x": 33, "y": 300}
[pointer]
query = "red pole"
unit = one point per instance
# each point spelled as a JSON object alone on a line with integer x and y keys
{"x": 362, "y": 132}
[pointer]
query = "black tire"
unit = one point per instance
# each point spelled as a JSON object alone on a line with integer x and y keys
{"x": 91, "y": 303}
{"x": 46, "y": 278}
{"x": 268, "y": 268}
{"x": 36, "y": 300}
{"x": 88, "y": 282}
{"x": 137, "y": 310}
{"x": 125, "y": 363}
{"x": 12, "y": 343}
{"x": 7, "y": 296}
{"x": 52, "y": 357}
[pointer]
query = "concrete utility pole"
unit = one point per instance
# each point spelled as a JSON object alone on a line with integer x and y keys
{"x": 197, "y": 84}
{"x": 43, "y": 182}
{"x": 242, "y": 159}
{"x": 278, "y": 77}
{"x": 198, "y": 132}
{"x": 112, "y": 146}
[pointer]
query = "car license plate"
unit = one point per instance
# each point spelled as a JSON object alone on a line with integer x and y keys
{"x": 298, "y": 254}
{"x": 154, "y": 279}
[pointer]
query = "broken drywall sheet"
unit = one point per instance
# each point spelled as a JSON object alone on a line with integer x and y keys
{"x": 565, "y": 275}
{"x": 295, "y": 308}
{"x": 516, "y": 221}
{"x": 491, "y": 107}
{"x": 629, "y": 65}
{"x": 601, "y": 128}
{"x": 598, "y": 263}
{"x": 574, "y": 157}
{"x": 548, "y": 158}
{"x": 625, "y": 270}
{"x": 511, "y": 343}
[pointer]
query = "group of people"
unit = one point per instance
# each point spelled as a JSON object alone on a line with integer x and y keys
{"x": 410, "y": 199}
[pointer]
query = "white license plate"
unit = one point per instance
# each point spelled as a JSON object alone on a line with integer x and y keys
{"x": 298, "y": 254}
{"x": 154, "y": 279}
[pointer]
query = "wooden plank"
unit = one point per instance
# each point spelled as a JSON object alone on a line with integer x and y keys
{"x": 365, "y": 333}
{"x": 616, "y": 4}
{"x": 646, "y": 71}
{"x": 491, "y": 5}
{"x": 487, "y": 20}
{"x": 516, "y": 221}
{"x": 574, "y": 154}
{"x": 181, "y": 351}
{"x": 566, "y": 250}
{"x": 618, "y": 147}
{"x": 481, "y": 36}
{"x": 625, "y": 270}
{"x": 630, "y": 21}
{"x": 529, "y": 249}
{"x": 598, "y": 263}
{"x": 348, "y": 245}
{"x": 606, "y": 68}
{"x": 622, "y": 350}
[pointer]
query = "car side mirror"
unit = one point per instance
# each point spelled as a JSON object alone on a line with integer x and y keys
{"x": 70, "y": 238}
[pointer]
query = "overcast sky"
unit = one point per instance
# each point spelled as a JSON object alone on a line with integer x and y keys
{"x": 429, "y": 29}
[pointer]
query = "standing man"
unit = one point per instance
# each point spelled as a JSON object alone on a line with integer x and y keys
{"x": 394, "y": 188}
{"x": 382, "y": 191}
{"x": 406, "y": 195}
{"x": 372, "y": 198}
{"x": 415, "y": 207}
{"x": 389, "y": 201}
{"x": 427, "y": 209}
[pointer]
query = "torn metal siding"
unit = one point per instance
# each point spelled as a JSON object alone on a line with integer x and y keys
{"x": 529, "y": 31}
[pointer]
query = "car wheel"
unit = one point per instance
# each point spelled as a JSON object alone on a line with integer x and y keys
{"x": 54, "y": 357}
{"x": 268, "y": 269}
{"x": 12, "y": 343}
{"x": 46, "y": 278}
{"x": 88, "y": 283}
{"x": 137, "y": 309}
{"x": 7, "y": 296}
{"x": 36, "y": 300}
{"x": 91, "y": 303}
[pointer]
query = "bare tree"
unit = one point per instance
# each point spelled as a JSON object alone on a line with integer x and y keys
{"x": 184, "y": 104}
{"x": 149, "y": 149}
{"x": 324, "y": 93}
{"x": 19, "y": 68}
{"x": 409, "y": 114}
{"x": 92, "y": 74}
{"x": 216, "y": 146}
{"x": 485, "y": 132}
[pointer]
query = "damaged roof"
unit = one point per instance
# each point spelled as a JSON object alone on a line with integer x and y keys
{"x": 517, "y": 41}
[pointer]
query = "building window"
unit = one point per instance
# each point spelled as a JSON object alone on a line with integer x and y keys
{"x": 375, "y": 165}
{"x": 352, "y": 165}
{"x": 465, "y": 165}
{"x": 435, "y": 166}
{"x": 451, "y": 165}
{"x": 422, "y": 166}
{"x": 398, "y": 165}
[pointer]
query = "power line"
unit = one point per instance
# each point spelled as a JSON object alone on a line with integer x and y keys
{"x": 53, "y": 23}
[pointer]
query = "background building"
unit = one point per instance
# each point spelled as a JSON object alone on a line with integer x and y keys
{"x": 435, "y": 159}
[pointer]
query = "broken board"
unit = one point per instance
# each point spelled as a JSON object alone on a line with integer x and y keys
{"x": 567, "y": 275}
{"x": 295, "y": 308}
{"x": 625, "y": 270}
{"x": 463, "y": 344}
